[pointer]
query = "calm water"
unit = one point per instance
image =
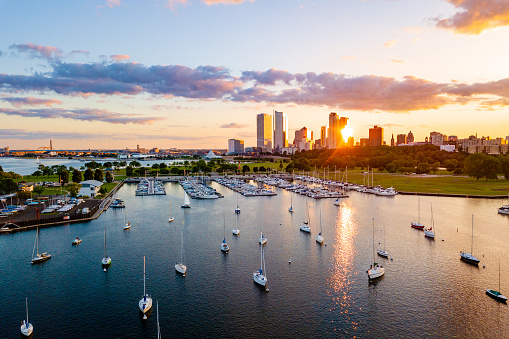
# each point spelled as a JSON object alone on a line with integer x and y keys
{"x": 426, "y": 292}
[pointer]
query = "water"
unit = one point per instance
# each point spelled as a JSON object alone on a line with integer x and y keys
{"x": 426, "y": 292}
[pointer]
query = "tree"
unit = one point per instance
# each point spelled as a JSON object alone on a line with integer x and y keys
{"x": 103, "y": 190}
{"x": 89, "y": 174}
{"x": 109, "y": 177}
{"x": 504, "y": 166}
{"x": 155, "y": 166}
{"x": 1, "y": 169}
{"x": 162, "y": 165}
{"x": 262, "y": 169}
{"x": 135, "y": 163}
{"x": 490, "y": 167}
{"x": 129, "y": 171}
{"x": 473, "y": 165}
{"x": 434, "y": 167}
{"x": 74, "y": 189}
{"x": 451, "y": 164}
{"x": 37, "y": 173}
{"x": 64, "y": 177}
{"x": 245, "y": 169}
{"x": 7, "y": 186}
{"x": 76, "y": 176}
{"x": 391, "y": 168}
{"x": 47, "y": 171}
{"x": 107, "y": 164}
{"x": 38, "y": 190}
{"x": 99, "y": 175}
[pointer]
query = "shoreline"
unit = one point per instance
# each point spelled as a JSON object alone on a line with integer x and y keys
{"x": 453, "y": 195}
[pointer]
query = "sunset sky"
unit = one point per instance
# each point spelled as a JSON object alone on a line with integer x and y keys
{"x": 194, "y": 73}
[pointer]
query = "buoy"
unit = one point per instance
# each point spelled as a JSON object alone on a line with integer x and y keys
{"x": 442, "y": 239}
{"x": 104, "y": 270}
{"x": 289, "y": 261}
{"x": 144, "y": 316}
{"x": 483, "y": 266}
{"x": 392, "y": 259}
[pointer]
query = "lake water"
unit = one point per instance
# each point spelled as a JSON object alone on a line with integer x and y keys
{"x": 426, "y": 292}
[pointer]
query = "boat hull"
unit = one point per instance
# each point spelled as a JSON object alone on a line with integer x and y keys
{"x": 319, "y": 239}
{"x": 496, "y": 295}
{"x": 429, "y": 234}
{"x": 262, "y": 241}
{"x": 106, "y": 262}
{"x": 26, "y": 330}
{"x": 185, "y": 206}
{"x": 383, "y": 254}
{"x": 41, "y": 258}
{"x": 76, "y": 242}
{"x": 145, "y": 304}
{"x": 181, "y": 268}
{"x": 260, "y": 279}
{"x": 236, "y": 232}
{"x": 376, "y": 272}
{"x": 469, "y": 258}
{"x": 305, "y": 228}
{"x": 417, "y": 226}
{"x": 171, "y": 219}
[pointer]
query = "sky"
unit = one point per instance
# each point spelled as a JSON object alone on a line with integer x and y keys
{"x": 111, "y": 74}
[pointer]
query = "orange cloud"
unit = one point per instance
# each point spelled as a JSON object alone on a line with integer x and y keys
{"x": 476, "y": 16}
{"x": 391, "y": 43}
{"x": 120, "y": 57}
{"x": 31, "y": 101}
{"x": 349, "y": 58}
{"x": 397, "y": 61}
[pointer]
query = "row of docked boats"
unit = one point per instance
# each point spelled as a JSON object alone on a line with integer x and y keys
{"x": 244, "y": 188}
{"x": 317, "y": 192}
{"x": 117, "y": 203}
{"x": 150, "y": 187}
{"x": 198, "y": 189}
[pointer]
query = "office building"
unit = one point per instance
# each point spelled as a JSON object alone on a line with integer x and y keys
{"x": 303, "y": 139}
{"x": 437, "y": 138}
{"x": 235, "y": 146}
{"x": 410, "y": 137}
{"x": 376, "y": 136}
{"x": 332, "y": 135}
{"x": 323, "y": 136}
{"x": 401, "y": 139}
{"x": 280, "y": 131}
{"x": 392, "y": 140}
{"x": 264, "y": 132}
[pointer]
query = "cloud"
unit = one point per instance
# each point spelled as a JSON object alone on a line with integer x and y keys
{"x": 49, "y": 53}
{"x": 391, "y": 43}
{"x": 397, "y": 61}
{"x": 30, "y": 101}
{"x": 120, "y": 57}
{"x": 92, "y": 115}
{"x": 349, "y": 58}
{"x": 75, "y": 52}
{"x": 113, "y": 3}
{"x": 234, "y": 125}
{"x": 475, "y": 16}
{"x": 225, "y": 2}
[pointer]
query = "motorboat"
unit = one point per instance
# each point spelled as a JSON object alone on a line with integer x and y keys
{"x": 127, "y": 226}
{"x": 504, "y": 210}
{"x": 76, "y": 241}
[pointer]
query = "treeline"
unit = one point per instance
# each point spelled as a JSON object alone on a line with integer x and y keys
{"x": 404, "y": 159}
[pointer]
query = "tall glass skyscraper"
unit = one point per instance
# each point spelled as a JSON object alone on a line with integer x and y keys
{"x": 280, "y": 130}
{"x": 264, "y": 132}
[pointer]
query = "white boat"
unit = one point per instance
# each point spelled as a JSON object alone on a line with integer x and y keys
{"x": 305, "y": 225}
{"x": 106, "y": 261}
{"x": 170, "y": 219}
{"x": 37, "y": 161}
{"x": 236, "y": 230}
{"x": 383, "y": 252}
{"x": 375, "y": 270}
{"x": 40, "y": 257}
{"x": 319, "y": 237}
{"x": 260, "y": 276}
{"x": 504, "y": 209}
{"x": 492, "y": 293}
{"x": 336, "y": 202}
{"x": 430, "y": 232}
{"x": 469, "y": 257}
{"x": 127, "y": 225}
{"x": 187, "y": 203}
{"x": 237, "y": 210}
{"x": 224, "y": 245}
{"x": 180, "y": 267}
{"x": 291, "y": 204}
{"x": 26, "y": 327}
{"x": 145, "y": 303}
{"x": 76, "y": 241}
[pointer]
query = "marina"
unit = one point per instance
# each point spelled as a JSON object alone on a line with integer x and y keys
{"x": 346, "y": 304}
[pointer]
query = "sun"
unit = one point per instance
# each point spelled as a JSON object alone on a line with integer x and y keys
{"x": 347, "y": 132}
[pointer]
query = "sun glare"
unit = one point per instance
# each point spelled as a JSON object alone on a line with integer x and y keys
{"x": 347, "y": 132}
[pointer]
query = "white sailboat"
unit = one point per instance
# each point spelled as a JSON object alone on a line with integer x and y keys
{"x": 40, "y": 257}
{"x": 305, "y": 225}
{"x": 383, "y": 252}
{"x": 237, "y": 209}
{"x": 319, "y": 237}
{"x": 375, "y": 271}
{"x": 430, "y": 232}
{"x": 127, "y": 225}
{"x": 418, "y": 225}
{"x": 236, "y": 230}
{"x": 26, "y": 327}
{"x": 492, "y": 293}
{"x": 106, "y": 261}
{"x": 145, "y": 303}
{"x": 38, "y": 161}
{"x": 260, "y": 276}
{"x": 187, "y": 203}
{"x": 262, "y": 239}
{"x": 224, "y": 245}
{"x": 336, "y": 202}
{"x": 180, "y": 267}
{"x": 170, "y": 219}
{"x": 469, "y": 257}
{"x": 291, "y": 203}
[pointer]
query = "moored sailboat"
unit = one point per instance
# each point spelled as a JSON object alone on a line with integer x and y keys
{"x": 187, "y": 203}
{"x": 375, "y": 271}
{"x": 418, "y": 225}
{"x": 170, "y": 219}
{"x": 106, "y": 261}
{"x": 145, "y": 303}
{"x": 180, "y": 267}
{"x": 430, "y": 232}
{"x": 40, "y": 257}
{"x": 260, "y": 276}
{"x": 319, "y": 237}
{"x": 305, "y": 225}
{"x": 224, "y": 246}
{"x": 383, "y": 252}
{"x": 492, "y": 293}
{"x": 26, "y": 327}
{"x": 469, "y": 257}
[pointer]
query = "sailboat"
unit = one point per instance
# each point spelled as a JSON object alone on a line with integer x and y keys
{"x": 291, "y": 204}
{"x": 237, "y": 210}
{"x": 224, "y": 245}
{"x": 469, "y": 257}
{"x": 262, "y": 239}
{"x": 187, "y": 203}
{"x": 383, "y": 253}
{"x": 236, "y": 230}
{"x": 336, "y": 202}
{"x": 429, "y": 232}
{"x": 260, "y": 276}
{"x": 106, "y": 261}
{"x": 145, "y": 303}
{"x": 170, "y": 219}
{"x": 26, "y": 327}
{"x": 40, "y": 257}
{"x": 418, "y": 225}
{"x": 180, "y": 267}
{"x": 38, "y": 161}
{"x": 127, "y": 225}
{"x": 305, "y": 225}
{"x": 319, "y": 237}
{"x": 375, "y": 271}
{"x": 492, "y": 293}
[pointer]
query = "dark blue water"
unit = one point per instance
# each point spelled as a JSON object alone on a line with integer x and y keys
{"x": 426, "y": 292}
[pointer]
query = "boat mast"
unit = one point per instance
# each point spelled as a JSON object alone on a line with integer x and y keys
{"x": 181, "y": 245}
{"x": 472, "y": 242}
{"x": 105, "y": 255}
{"x": 26, "y": 299}
{"x": 373, "y": 241}
{"x": 144, "y": 294}
{"x": 419, "y": 203}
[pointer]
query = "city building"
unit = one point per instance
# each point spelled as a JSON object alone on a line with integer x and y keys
{"x": 376, "y": 136}
{"x": 332, "y": 135}
{"x": 90, "y": 188}
{"x": 473, "y": 144}
{"x": 392, "y": 140}
{"x": 350, "y": 142}
{"x": 410, "y": 137}
{"x": 323, "y": 136}
{"x": 437, "y": 139}
{"x": 363, "y": 142}
{"x": 235, "y": 146}
{"x": 401, "y": 139}
{"x": 289, "y": 150}
{"x": 303, "y": 139}
{"x": 264, "y": 132}
{"x": 280, "y": 131}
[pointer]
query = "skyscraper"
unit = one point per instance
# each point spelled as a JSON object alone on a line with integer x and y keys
{"x": 323, "y": 136}
{"x": 376, "y": 136}
{"x": 410, "y": 137}
{"x": 280, "y": 130}
{"x": 264, "y": 132}
{"x": 332, "y": 139}
{"x": 401, "y": 139}
{"x": 235, "y": 146}
{"x": 342, "y": 124}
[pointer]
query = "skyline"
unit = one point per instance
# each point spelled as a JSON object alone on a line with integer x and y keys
{"x": 193, "y": 74}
